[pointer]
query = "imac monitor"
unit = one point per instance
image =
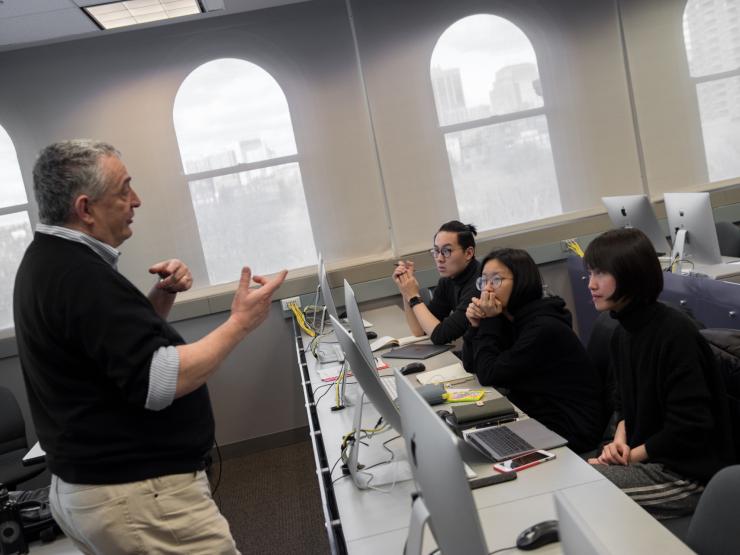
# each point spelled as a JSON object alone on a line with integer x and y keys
{"x": 326, "y": 295}
{"x": 356, "y": 324}
{"x": 366, "y": 375}
{"x": 636, "y": 211}
{"x": 438, "y": 469}
{"x": 692, "y": 212}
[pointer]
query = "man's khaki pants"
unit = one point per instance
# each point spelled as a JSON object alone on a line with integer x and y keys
{"x": 170, "y": 514}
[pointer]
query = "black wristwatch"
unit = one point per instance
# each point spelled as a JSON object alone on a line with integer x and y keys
{"x": 413, "y": 301}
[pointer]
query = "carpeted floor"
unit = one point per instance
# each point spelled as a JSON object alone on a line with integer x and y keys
{"x": 271, "y": 500}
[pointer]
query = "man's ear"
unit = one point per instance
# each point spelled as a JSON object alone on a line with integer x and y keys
{"x": 82, "y": 209}
{"x": 469, "y": 253}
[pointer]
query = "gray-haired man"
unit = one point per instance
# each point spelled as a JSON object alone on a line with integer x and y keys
{"x": 118, "y": 399}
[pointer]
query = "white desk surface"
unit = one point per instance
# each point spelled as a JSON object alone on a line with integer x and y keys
{"x": 376, "y": 522}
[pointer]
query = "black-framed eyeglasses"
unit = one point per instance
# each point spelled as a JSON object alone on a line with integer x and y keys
{"x": 495, "y": 281}
{"x": 444, "y": 251}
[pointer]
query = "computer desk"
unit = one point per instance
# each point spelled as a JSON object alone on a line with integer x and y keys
{"x": 369, "y": 521}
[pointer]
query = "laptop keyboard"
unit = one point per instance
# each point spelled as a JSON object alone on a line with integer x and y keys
{"x": 503, "y": 441}
{"x": 389, "y": 384}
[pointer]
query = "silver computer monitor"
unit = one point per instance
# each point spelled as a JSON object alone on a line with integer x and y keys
{"x": 576, "y": 536}
{"x": 357, "y": 324}
{"x": 325, "y": 290}
{"x": 637, "y": 212}
{"x": 692, "y": 212}
{"x": 366, "y": 374}
{"x": 433, "y": 451}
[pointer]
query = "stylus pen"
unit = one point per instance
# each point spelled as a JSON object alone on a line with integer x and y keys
{"x": 459, "y": 380}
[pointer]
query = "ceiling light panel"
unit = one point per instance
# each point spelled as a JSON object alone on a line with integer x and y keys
{"x": 133, "y": 12}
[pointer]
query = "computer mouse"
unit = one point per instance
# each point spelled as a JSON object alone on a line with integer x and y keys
{"x": 371, "y": 335}
{"x": 538, "y": 535}
{"x": 448, "y": 417}
{"x": 413, "y": 368}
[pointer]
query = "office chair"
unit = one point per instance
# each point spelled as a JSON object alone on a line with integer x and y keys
{"x": 725, "y": 344}
{"x": 13, "y": 443}
{"x": 713, "y": 529}
{"x": 728, "y": 235}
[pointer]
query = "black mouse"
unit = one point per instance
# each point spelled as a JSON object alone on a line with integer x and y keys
{"x": 538, "y": 535}
{"x": 413, "y": 368}
{"x": 371, "y": 335}
{"x": 448, "y": 417}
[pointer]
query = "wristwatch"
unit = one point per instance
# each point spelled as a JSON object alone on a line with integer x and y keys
{"x": 413, "y": 301}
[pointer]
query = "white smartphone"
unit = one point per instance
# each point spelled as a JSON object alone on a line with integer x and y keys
{"x": 524, "y": 461}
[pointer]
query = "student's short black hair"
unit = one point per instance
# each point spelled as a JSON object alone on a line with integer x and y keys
{"x": 465, "y": 233}
{"x": 629, "y": 256}
{"x": 527, "y": 278}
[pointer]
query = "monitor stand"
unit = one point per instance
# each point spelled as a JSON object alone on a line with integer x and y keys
{"x": 419, "y": 518}
{"x": 392, "y": 472}
{"x": 677, "y": 254}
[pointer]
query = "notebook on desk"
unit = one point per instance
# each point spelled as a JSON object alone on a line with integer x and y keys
{"x": 512, "y": 439}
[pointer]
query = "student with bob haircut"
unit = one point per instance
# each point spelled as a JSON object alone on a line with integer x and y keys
{"x": 673, "y": 431}
{"x": 524, "y": 344}
{"x": 443, "y": 319}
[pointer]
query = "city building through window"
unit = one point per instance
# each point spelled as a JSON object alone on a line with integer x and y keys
{"x": 238, "y": 152}
{"x": 15, "y": 225}
{"x": 491, "y": 111}
{"x": 712, "y": 36}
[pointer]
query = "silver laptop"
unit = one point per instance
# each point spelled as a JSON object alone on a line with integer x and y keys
{"x": 440, "y": 474}
{"x": 576, "y": 536}
{"x": 509, "y": 440}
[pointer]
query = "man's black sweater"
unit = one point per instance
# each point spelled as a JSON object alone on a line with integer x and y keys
{"x": 669, "y": 391}
{"x": 86, "y": 337}
{"x": 451, "y": 299}
{"x": 543, "y": 365}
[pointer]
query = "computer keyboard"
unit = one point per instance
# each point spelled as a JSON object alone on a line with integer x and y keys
{"x": 389, "y": 384}
{"x": 502, "y": 440}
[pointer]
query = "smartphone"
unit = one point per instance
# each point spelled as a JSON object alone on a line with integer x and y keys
{"x": 524, "y": 461}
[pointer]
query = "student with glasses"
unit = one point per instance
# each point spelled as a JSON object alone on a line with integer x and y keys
{"x": 443, "y": 319}
{"x": 673, "y": 431}
{"x": 523, "y": 344}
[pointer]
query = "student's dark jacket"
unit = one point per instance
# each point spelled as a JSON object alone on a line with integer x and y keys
{"x": 543, "y": 367}
{"x": 450, "y": 301}
{"x": 86, "y": 336}
{"x": 669, "y": 391}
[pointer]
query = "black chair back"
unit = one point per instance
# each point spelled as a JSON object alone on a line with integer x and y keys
{"x": 12, "y": 427}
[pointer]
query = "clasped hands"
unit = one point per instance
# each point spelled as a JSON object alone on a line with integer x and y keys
{"x": 487, "y": 306}
{"x": 405, "y": 279}
{"x": 615, "y": 452}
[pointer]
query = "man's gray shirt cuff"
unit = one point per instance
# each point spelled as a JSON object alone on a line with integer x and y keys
{"x": 163, "y": 374}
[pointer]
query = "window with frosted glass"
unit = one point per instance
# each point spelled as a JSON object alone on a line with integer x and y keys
{"x": 712, "y": 37}
{"x": 491, "y": 111}
{"x": 238, "y": 152}
{"x": 15, "y": 226}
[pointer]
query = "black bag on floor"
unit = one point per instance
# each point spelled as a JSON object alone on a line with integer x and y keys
{"x": 35, "y": 514}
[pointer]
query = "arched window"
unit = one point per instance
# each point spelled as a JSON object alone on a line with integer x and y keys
{"x": 490, "y": 108}
{"x": 15, "y": 225}
{"x": 712, "y": 36}
{"x": 238, "y": 152}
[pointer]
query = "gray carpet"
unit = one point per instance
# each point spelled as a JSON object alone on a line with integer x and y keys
{"x": 271, "y": 500}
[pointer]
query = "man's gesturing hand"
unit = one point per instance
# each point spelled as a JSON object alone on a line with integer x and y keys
{"x": 174, "y": 275}
{"x": 250, "y": 307}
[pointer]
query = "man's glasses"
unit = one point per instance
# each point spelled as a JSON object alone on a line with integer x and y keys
{"x": 444, "y": 251}
{"x": 495, "y": 281}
